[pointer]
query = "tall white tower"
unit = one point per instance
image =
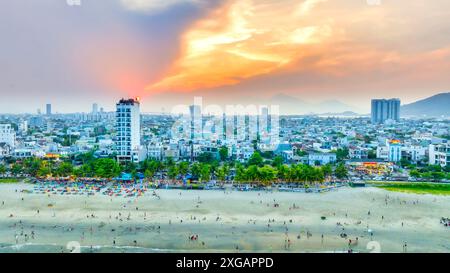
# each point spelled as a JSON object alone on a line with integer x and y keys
{"x": 128, "y": 122}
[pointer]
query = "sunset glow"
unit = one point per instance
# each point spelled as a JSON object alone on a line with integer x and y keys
{"x": 167, "y": 52}
{"x": 243, "y": 39}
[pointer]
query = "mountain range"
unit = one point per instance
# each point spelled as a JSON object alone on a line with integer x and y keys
{"x": 292, "y": 105}
{"x": 434, "y": 106}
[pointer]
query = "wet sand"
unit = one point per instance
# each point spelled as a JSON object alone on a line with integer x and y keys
{"x": 224, "y": 222}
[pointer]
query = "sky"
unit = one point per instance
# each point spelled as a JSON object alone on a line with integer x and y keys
{"x": 226, "y": 51}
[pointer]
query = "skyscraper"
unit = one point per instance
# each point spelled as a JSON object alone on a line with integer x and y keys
{"x": 196, "y": 121}
{"x": 383, "y": 109}
{"x": 48, "y": 109}
{"x": 94, "y": 108}
{"x": 128, "y": 122}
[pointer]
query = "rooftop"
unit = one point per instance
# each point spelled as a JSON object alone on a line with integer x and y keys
{"x": 128, "y": 101}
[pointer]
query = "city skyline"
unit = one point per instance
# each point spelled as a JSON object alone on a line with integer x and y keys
{"x": 225, "y": 51}
{"x": 95, "y": 108}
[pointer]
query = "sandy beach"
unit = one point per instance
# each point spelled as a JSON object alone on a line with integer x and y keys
{"x": 218, "y": 221}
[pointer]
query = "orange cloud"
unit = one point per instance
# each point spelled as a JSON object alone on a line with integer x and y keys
{"x": 243, "y": 39}
{"x": 339, "y": 42}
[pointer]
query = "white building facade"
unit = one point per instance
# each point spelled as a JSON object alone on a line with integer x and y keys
{"x": 7, "y": 135}
{"x": 128, "y": 139}
{"x": 439, "y": 154}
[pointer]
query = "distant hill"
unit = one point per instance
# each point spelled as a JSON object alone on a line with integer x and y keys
{"x": 292, "y": 105}
{"x": 342, "y": 114}
{"x": 334, "y": 106}
{"x": 435, "y": 106}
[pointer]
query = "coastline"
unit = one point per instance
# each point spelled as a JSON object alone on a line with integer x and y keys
{"x": 240, "y": 219}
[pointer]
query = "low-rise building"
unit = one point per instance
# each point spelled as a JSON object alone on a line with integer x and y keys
{"x": 439, "y": 154}
{"x": 321, "y": 158}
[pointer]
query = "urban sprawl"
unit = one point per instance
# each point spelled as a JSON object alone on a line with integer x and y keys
{"x": 128, "y": 145}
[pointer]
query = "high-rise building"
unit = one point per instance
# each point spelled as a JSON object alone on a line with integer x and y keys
{"x": 264, "y": 121}
{"x": 128, "y": 122}
{"x": 48, "y": 109}
{"x": 94, "y": 108}
{"x": 383, "y": 110}
{"x": 196, "y": 121}
{"x": 7, "y": 135}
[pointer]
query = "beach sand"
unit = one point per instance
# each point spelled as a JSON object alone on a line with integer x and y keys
{"x": 224, "y": 221}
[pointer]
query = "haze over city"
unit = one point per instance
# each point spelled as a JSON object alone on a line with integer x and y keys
{"x": 228, "y": 51}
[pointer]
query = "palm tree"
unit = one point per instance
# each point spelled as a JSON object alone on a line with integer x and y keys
{"x": 222, "y": 172}
{"x": 205, "y": 172}
{"x": 173, "y": 172}
{"x": 267, "y": 175}
{"x": 183, "y": 168}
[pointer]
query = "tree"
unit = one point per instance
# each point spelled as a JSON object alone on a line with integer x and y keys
{"x": 152, "y": 166}
{"x": 414, "y": 173}
{"x": 447, "y": 168}
{"x": 195, "y": 169}
{"x": 437, "y": 176}
{"x": 205, "y": 172}
{"x": 222, "y": 172}
{"x": 341, "y": 172}
{"x": 16, "y": 169}
{"x": 109, "y": 168}
{"x": 251, "y": 173}
{"x": 64, "y": 169}
{"x": 205, "y": 157}
{"x": 318, "y": 175}
{"x": 2, "y": 169}
{"x": 327, "y": 170}
{"x": 223, "y": 153}
{"x": 283, "y": 172}
{"x": 240, "y": 173}
{"x": 32, "y": 166}
{"x": 427, "y": 175}
{"x": 277, "y": 161}
{"x": 129, "y": 167}
{"x": 43, "y": 171}
{"x": 341, "y": 154}
{"x": 267, "y": 175}
{"x": 183, "y": 168}
{"x": 173, "y": 172}
{"x": 256, "y": 159}
{"x": 404, "y": 162}
{"x": 148, "y": 174}
{"x": 372, "y": 154}
{"x": 87, "y": 157}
